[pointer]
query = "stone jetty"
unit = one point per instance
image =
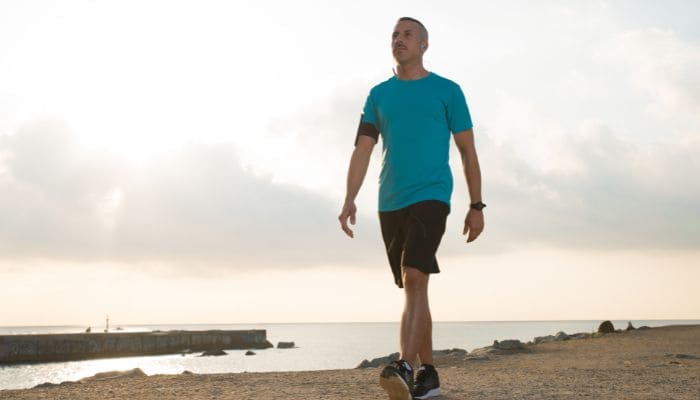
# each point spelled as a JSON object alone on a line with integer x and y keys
{"x": 19, "y": 349}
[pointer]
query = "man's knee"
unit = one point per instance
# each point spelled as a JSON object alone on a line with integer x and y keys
{"x": 414, "y": 279}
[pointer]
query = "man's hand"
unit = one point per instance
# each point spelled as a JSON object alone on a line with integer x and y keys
{"x": 348, "y": 211}
{"x": 473, "y": 224}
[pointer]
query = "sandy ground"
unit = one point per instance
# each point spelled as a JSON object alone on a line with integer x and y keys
{"x": 642, "y": 364}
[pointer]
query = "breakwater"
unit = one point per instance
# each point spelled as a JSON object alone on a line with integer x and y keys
{"x": 18, "y": 349}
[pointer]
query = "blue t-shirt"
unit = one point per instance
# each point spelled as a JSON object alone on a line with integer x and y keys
{"x": 415, "y": 118}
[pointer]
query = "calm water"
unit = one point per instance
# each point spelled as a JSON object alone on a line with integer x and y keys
{"x": 320, "y": 346}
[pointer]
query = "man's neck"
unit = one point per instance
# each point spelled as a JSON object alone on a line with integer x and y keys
{"x": 410, "y": 71}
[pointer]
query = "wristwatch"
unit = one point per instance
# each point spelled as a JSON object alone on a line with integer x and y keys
{"x": 478, "y": 205}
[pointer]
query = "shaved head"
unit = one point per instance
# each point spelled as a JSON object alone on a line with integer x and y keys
{"x": 423, "y": 31}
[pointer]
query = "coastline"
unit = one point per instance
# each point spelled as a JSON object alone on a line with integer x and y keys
{"x": 659, "y": 362}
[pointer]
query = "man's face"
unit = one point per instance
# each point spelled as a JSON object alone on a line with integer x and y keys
{"x": 406, "y": 41}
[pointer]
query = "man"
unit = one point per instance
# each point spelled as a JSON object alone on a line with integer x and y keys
{"x": 415, "y": 112}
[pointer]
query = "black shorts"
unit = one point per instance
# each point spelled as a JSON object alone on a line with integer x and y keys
{"x": 412, "y": 235}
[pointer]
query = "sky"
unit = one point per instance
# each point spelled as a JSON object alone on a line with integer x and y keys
{"x": 185, "y": 162}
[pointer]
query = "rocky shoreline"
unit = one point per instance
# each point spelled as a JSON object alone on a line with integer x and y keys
{"x": 649, "y": 363}
{"x": 508, "y": 346}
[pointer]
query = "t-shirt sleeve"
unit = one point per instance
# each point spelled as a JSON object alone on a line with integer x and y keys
{"x": 368, "y": 121}
{"x": 458, "y": 116}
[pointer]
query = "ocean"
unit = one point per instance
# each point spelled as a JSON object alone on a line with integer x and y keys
{"x": 320, "y": 346}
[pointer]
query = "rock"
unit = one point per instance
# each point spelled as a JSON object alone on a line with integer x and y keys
{"x": 250, "y": 353}
{"x": 447, "y": 352}
{"x": 544, "y": 339}
{"x": 606, "y": 327}
{"x": 629, "y": 326}
{"x": 216, "y": 352}
{"x": 627, "y": 363}
{"x": 476, "y": 358}
{"x": 560, "y": 336}
{"x": 45, "y": 385}
{"x": 377, "y": 362}
{"x": 49, "y": 384}
{"x": 131, "y": 373}
{"x": 186, "y": 372}
{"x": 643, "y": 327}
{"x": 580, "y": 335}
{"x": 482, "y": 351}
{"x": 285, "y": 345}
{"x": 510, "y": 344}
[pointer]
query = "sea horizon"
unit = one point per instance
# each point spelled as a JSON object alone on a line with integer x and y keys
{"x": 113, "y": 326}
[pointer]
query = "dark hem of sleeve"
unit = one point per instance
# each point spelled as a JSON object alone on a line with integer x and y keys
{"x": 456, "y": 131}
{"x": 367, "y": 129}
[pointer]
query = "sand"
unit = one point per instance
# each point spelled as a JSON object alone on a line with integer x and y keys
{"x": 656, "y": 363}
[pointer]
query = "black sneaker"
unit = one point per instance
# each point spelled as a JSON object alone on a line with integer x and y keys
{"x": 427, "y": 382}
{"x": 397, "y": 379}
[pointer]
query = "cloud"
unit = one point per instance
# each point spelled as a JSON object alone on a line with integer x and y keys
{"x": 621, "y": 195}
{"x": 657, "y": 62}
{"x": 557, "y": 169}
{"x": 312, "y": 146}
{"x": 192, "y": 207}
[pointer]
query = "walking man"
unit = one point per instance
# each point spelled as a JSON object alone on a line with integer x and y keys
{"x": 416, "y": 112}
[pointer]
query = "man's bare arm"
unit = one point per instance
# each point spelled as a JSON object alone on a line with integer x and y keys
{"x": 474, "y": 222}
{"x": 359, "y": 162}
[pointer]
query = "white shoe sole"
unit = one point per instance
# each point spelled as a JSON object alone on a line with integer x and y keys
{"x": 396, "y": 388}
{"x": 431, "y": 393}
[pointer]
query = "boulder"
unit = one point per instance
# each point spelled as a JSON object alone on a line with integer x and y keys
{"x": 510, "y": 344}
{"x": 45, "y": 385}
{"x": 544, "y": 339}
{"x": 215, "y": 352}
{"x": 606, "y": 327}
{"x": 442, "y": 355}
{"x": 482, "y": 351}
{"x": 476, "y": 358}
{"x": 102, "y": 376}
{"x": 559, "y": 337}
{"x": 285, "y": 345}
{"x": 250, "y": 353}
{"x": 629, "y": 326}
{"x": 49, "y": 384}
{"x": 449, "y": 352}
{"x": 580, "y": 335}
{"x": 643, "y": 327}
{"x": 378, "y": 362}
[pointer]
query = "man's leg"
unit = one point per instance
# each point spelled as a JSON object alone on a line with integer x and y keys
{"x": 416, "y": 322}
{"x": 425, "y": 354}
